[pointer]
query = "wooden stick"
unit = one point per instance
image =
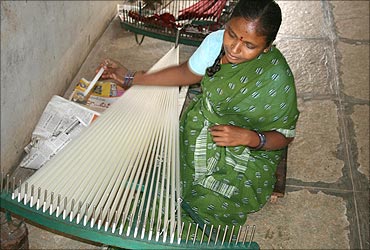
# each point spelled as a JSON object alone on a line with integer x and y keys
{"x": 93, "y": 82}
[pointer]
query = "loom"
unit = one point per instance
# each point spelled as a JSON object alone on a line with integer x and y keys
{"x": 118, "y": 184}
{"x": 162, "y": 19}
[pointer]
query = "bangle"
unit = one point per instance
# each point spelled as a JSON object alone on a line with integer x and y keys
{"x": 262, "y": 138}
{"x": 128, "y": 79}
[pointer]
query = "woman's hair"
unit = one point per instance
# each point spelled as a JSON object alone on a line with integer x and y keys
{"x": 266, "y": 12}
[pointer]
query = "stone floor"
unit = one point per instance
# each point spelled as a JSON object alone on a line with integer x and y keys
{"x": 326, "y": 205}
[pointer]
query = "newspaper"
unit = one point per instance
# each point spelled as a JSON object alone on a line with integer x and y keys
{"x": 61, "y": 122}
{"x": 103, "y": 95}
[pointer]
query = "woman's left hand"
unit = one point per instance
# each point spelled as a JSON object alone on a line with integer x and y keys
{"x": 228, "y": 135}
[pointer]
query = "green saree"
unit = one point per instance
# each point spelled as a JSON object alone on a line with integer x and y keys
{"x": 221, "y": 185}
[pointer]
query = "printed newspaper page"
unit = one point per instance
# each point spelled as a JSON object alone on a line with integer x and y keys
{"x": 61, "y": 122}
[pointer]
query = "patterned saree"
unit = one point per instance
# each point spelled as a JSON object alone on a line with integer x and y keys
{"x": 221, "y": 185}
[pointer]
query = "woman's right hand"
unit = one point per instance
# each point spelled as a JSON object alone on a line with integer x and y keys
{"x": 112, "y": 70}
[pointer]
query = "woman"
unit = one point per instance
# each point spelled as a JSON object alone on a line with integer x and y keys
{"x": 233, "y": 133}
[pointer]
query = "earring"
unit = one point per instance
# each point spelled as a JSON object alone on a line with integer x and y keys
{"x": 266, "y": 50}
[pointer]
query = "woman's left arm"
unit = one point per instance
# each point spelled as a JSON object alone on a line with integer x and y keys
{"x": 228, "y": 135}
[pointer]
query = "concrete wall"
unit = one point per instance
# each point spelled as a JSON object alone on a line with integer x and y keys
{"x": 43, "y": 44}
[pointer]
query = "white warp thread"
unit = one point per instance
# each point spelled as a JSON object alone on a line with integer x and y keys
{"x": 125, "y": 166}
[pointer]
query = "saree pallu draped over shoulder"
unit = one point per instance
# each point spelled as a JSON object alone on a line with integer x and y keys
{"x": 223, "y": 184}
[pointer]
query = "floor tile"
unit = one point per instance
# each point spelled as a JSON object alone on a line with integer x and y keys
{"x": 354, "y": 69}
{"x": 354, "y": 14}
{"x": 298, "y": 21}
{"x": 39, "y": 238}
{"x": 312, "y": 155}
{"x": 310, "y": 63}
{"x": 302, "y": 220}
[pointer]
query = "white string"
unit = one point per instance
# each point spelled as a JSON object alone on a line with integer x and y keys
{"x": 125, "y": 164}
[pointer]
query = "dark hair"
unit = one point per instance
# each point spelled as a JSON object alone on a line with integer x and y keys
{"x": 216, "y": 65}
{"x": 266, "y": 12}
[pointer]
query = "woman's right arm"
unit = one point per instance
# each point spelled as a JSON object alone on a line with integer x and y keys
{"x": 179, "y": 75}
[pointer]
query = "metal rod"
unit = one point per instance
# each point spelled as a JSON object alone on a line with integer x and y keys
{"x": 129, "y": 225}
{"x": 1, "y": 181}
{"x": 13, "y": 188}
{"x": 58, "y": 205}
{"x": 121, "y": 227}
{"x": 25, "y": 193}
{"x": 232, "y": 233}
{"x": 7, "y": 183}
{"x": 107, "y": 220}
{"x": 245, "y": 235}
{"x": 237, "y": 238}
{"x": 78, "y": 219}
{"x": 100, "y": 217}
{"x": 252, "y": 235}
{"x": 65, "y": 208}
{"x": 204, "y": 229}
{"x": 196, "y": 232}
{"x": 218, "y": 232}
{"x": 92, "y": 221}
{"x": 173, "y": 232}
{"x": 44, "y": 203}
{"x": 19, "y": 190}
{"x": 51, "y": 203}
{"x": 210, "y": 235}
{"x": 187, "y": 236}
{"x": 165, "y": 231}
{"x": 32, "y": 194}
{"x": 180, "y": 234}
{"x": 71, "y": 213}
{"x": 38, "y": 198}
{"x": 86, "y": 211}
{"x": 223, "y": 238}
{"x": 115, "y": 221}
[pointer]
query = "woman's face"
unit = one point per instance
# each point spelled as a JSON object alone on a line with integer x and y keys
{"x": 241, "y": 41}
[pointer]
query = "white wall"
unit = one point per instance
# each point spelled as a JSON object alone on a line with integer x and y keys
{"x": 43, "y": 44}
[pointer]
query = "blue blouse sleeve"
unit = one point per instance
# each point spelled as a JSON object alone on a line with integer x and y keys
{"x": 206, "y": 53}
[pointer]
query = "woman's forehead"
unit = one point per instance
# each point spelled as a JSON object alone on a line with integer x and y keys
{"x": 244, "y": 28}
